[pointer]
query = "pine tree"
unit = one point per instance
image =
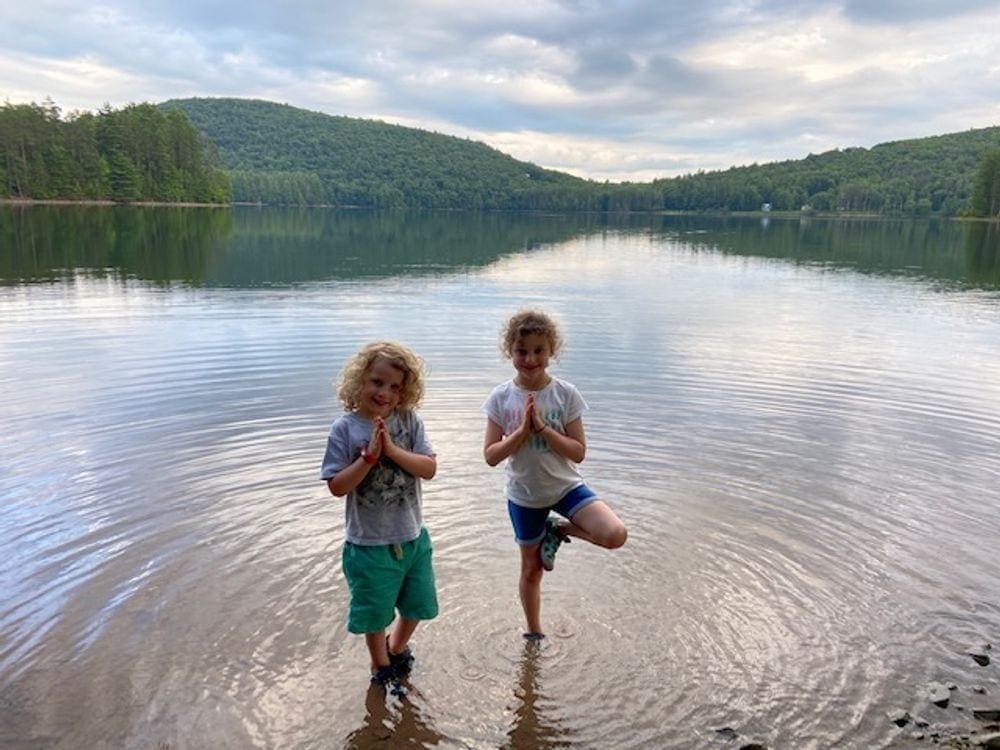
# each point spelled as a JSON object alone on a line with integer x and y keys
{"x": 986, "y": 190}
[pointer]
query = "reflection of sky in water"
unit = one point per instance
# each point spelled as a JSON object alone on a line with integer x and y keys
{"x": 247, "y": 248}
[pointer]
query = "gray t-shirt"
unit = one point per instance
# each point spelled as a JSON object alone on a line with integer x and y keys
{"x": 386, "y": 507}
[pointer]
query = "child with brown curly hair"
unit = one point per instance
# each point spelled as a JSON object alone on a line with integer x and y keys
{"x": 535, "y": 422}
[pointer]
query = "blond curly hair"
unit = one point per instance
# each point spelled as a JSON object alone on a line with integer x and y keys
{"x": 526, "y": 323}
{"x": 352, "y": 377}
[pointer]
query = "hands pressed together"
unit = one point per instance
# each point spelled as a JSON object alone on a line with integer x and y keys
{"x": 568, "y": 440}
{"x": 380, "y": 443}
{"x": 532, "y": 422}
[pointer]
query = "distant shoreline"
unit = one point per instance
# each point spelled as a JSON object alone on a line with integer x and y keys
{"x": 95, "y": 202}
{"x": 653, "y": 212}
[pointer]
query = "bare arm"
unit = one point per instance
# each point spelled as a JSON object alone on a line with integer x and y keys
{"x": 572, "y": 445}
{"x": 349, "y": 477}
{"x": 497, "y": 447}
{"x": 352, "y": 475}
{"x": 380, "y": 444}
{"x": 418, "y": 464}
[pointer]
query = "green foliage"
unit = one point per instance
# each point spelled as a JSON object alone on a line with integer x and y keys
{"x": 986, "y": 193}
{"x": 278, "y": 188}
{"x": 138, "y": 153}
{"x": 915, "y": 177}
{"x": 282, "y": 155}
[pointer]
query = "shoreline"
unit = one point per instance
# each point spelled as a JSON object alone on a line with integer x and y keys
{"x": 656, "y": 212}
{"x": 104, "y": 203}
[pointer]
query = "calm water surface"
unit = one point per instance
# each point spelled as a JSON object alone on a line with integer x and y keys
{"x": 799, "y": 421}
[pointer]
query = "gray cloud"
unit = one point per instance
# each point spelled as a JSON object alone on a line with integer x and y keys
{"x": 615, "y": 88}
{"x": 602, "y": 66}
{"x": 907, "y": 11}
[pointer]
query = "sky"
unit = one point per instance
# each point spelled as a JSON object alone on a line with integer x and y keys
{"x": 620, "y": 90}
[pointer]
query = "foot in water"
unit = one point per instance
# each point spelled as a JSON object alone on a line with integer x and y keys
{"x": 401, "y": 662}
{"x": 386, "y": 677}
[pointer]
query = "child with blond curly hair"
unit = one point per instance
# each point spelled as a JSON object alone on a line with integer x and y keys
{"x": 377, "y": 453}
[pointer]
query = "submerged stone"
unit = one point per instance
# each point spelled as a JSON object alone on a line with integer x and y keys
{"x": 980, "y": 657}
{"x": 899, "y": 717}
{"x": 939, "y": 694}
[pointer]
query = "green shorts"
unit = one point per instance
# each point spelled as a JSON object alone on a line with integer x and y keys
{"x": 380, "y": 583}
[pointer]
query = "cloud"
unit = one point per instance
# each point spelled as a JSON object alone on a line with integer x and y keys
{"x": 616, "y": 89}
{"x": 908, "y": 11}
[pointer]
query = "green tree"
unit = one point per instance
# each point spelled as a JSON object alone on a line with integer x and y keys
{"x": 136, "y": 153}
{"x": 986, "y": 190}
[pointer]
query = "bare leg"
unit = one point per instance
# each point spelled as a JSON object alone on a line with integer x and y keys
{"x": 599, "y": 525}
{"x": 377, "y": 649}
{"x": 401, "y": 634}
{"x": 530, "y": 587}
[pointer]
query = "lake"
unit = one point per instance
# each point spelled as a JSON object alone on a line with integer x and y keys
{"x": 798, "y": 419}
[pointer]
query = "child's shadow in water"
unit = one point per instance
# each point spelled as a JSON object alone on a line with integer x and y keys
{"x": 392, "y": 722}
{"x": 531, "y": 730}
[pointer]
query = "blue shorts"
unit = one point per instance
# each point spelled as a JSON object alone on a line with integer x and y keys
{"x": 529, "y": 523}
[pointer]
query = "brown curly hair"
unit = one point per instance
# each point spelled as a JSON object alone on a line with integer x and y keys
{"x": 352, "y": 377}
{"x": 528, "y": 322}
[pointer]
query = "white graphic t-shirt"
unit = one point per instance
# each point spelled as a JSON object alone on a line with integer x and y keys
{"x": 537, "y": 476}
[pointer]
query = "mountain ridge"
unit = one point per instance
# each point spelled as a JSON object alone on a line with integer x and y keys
{"x": 280, "y": 153}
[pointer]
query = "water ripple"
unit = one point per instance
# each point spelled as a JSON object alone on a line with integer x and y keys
{"x": 808, "y": 465}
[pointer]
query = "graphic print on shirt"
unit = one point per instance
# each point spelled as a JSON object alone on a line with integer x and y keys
{"x": 387, "y": 484}
{"x": 553, "y": 418}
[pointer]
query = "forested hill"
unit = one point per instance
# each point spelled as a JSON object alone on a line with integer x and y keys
{"x": 277, "y": 154}
{"x": 280, "y": 154}
{"x": 919, "y": 176}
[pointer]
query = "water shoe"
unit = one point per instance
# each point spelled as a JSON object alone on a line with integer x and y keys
{"x": 554, "y": 536}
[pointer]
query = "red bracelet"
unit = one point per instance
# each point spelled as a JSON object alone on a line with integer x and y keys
{"x": 368, "y": 457}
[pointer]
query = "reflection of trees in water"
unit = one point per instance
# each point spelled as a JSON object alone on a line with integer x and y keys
{"x": 294, "y": 245}
{"x": 159, "y": 244}
{"x": 247, "y": 247}
{"x": 391, "y": 723}
{"x": 982, "y": 254}
{"x": 928, "y": 248}
{"x": 532, "y": 730}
